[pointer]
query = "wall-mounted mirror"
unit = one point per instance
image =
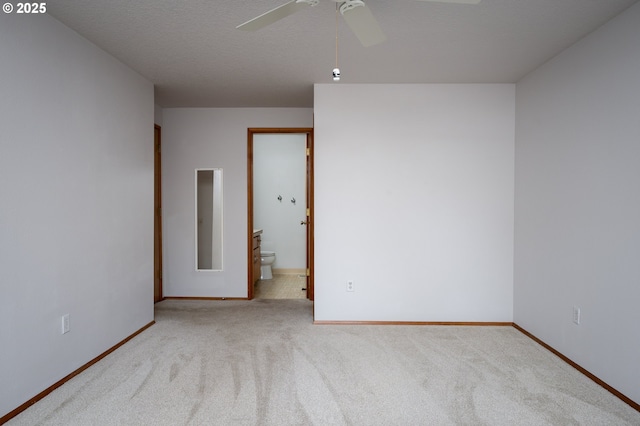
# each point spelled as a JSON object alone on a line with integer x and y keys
{"x": 209, "y": 219}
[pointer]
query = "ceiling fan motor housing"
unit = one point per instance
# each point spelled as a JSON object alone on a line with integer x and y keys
{"x": 309, "y": 2}
{"x": 349, "y": 5}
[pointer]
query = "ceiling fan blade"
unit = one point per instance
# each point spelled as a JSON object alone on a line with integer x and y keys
{"x": 455, "y": 1}
{"x": 362, "y": 22}
{"x": 276, "y": 14}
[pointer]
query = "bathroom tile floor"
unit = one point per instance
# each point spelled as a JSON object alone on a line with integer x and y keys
{"x": 282, "y": 287}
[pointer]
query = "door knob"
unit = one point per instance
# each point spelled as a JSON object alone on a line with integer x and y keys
{"x": 302, "y": 222}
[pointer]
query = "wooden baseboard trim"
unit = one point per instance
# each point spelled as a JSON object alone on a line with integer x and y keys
{"x": 479, "y": 324}
{"x": 584, "y": 371}
{"x": 203, "y": 298}
{"x": 289, "y": 271}
{"x": 47, "y": 391}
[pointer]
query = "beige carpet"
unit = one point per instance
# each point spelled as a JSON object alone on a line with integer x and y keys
{"x": 262, "y": 362}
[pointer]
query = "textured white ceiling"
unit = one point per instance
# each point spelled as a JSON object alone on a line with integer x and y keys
{"x": 193, "y": 54}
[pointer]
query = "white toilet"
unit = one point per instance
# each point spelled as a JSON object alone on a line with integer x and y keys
{"x": 266, "y": 260}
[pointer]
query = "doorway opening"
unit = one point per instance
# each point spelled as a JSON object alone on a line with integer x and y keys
{"x": 286, "y": 208}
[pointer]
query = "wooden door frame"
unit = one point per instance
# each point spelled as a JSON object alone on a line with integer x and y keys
{"x": 310, "y": 228}
{"x": 157, "y": 213}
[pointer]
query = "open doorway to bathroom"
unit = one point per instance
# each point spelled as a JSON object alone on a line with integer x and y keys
{"x": 280, "y": 212}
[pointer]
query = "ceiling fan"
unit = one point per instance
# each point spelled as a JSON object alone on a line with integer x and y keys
{"x": 355, "y": 13}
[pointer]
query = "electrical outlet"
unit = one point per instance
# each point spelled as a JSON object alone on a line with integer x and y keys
{"x": 65, "y": 324}
{"x": 350, "y": 285}
{"x": 576, "y": 315}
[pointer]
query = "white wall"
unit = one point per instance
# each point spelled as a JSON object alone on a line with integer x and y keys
{"x": 414, "y": 202}
{"x": 577, "y": 235}
{"x": 76, "y": 204}
{"x": 205, "y": 138}
{"x": 280, "y": 169}
{"x": 157, "y": 115}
